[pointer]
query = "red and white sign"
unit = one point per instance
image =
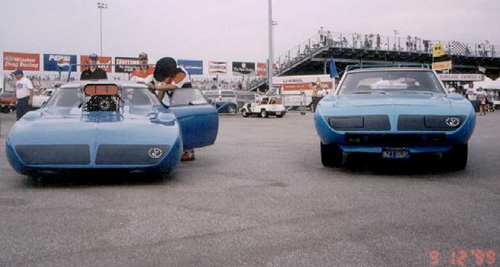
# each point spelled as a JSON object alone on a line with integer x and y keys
{"x": 216, "y": 67}
{"x": 261, "y": 69}
{"x": 23, "y": 61}
{"x": 103, "y": 62}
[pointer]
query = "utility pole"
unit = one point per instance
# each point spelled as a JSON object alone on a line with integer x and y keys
{"x": 101, "y": 6}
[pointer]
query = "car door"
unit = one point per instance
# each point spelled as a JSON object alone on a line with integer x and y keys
{"x": 198, "y": 119}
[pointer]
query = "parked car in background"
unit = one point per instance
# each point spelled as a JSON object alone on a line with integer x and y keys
{"x": 40, "y": 99}
{"x": 394, "y": 113}
{"x": 223, "y": 100}
{"x": 6, "y": 98}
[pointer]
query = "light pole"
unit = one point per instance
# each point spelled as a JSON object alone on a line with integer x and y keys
{"x": 271, "y": 56}
{"x": 101, "y": 6}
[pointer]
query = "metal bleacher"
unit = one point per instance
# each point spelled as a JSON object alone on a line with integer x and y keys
{"x": 312, "y": 56}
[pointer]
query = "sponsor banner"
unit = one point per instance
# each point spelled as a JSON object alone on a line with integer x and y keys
{"x": 461, "y": 77}
{"x": 261, "y": 69}
{"x": 304, "y": 83}
{"x": 444, "y": 65}
{"x": 122, "y": 62}
{"x": 59, "y": 62}
{"x": 103, "y": 62}
{"x": 437, "y": 50}
{"x": 193, "y": 67}
{"x": 243, "y": 68}
{"x": 216, "y": 67}
{"x": 24, "y": 61}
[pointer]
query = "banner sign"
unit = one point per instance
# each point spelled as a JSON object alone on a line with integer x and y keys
{"x": 461, "y": 77}
{"x": 122, "y": 62}
{"x": 193, "y": 67}
{"x": 304, "y": 82}
{"x": 243, "y": 68}
{"x": 103, "y": 62}
{"x": 216, "y": 67}
{"x": 437, "y": 50}
{"x": 58, "y": 62}
{"x": 444, "y": 65}
{"x": 261, "y": 69}
{"x": 23, "y": 61}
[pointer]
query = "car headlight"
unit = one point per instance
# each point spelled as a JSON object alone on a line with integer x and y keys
{"x": 346, "y": 122}
{"x": 443, "y": 122}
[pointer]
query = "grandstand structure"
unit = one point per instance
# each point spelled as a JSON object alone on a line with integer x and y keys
{"x": 313, "y": 55}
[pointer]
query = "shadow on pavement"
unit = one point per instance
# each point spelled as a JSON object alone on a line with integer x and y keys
{"x": 97, "y": 178}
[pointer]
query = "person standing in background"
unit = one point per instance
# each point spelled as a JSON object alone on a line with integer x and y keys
{"x": 23, "y": 95}
{"x": 143, "y": 74}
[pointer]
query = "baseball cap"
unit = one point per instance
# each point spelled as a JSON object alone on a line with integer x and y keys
{"x": 93, "y": 57}
{"x": 143, "y": 55}
{"x": 17, "y": 71}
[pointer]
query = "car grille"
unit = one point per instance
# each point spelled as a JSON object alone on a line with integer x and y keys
{"x": 399, "y": 140}
{"x": 129, "y": 154}
{"x": 54, "y": 154}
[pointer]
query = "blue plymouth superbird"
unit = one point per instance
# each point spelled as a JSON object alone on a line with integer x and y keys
{"x": 395, "y": 113}
{"x": 105, "y": 125}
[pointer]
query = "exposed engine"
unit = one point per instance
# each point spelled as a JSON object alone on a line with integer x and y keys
{"x": 103, "y": 103}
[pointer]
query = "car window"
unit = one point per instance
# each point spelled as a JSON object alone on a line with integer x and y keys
{"x": 390, "y": 81}
{"x": 187, "y": 96}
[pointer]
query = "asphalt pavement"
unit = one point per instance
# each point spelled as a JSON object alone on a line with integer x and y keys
{"x": 260, "y": 197}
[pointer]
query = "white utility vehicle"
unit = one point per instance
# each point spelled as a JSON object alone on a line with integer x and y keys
{"x": 264, "y": 107}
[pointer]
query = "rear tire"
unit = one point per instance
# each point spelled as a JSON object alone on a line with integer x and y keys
{"x": 263, "y": 114}
{"x": 456, "y": 158}
{"x": 231, "y": 109}
{"x": 331, "y": 156}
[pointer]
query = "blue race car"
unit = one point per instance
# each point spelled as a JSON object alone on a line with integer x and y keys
{"x": 104, "y": 125}
{"x": 395, "y": 113}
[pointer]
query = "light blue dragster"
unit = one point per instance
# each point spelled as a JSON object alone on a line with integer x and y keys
{"x": 107, "y": 125}
{"x": 395, "y": 112}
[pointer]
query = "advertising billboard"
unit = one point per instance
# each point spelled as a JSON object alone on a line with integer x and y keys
{"x": 217, "y": 67}
{"x": 261, "y": 69}
{"x": 122, "y": 62}
{"x": 24, "y": 61}
{"x": 243, "y": 68}
{"x": 193, "y": 67}
{"x": 104, "y": 63}
{"x": 58, "y": 62}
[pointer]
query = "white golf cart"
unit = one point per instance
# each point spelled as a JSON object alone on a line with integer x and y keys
{"x": 264, "y": 106}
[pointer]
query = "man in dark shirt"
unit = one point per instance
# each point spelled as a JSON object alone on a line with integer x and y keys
{"x": 93, "y": 72}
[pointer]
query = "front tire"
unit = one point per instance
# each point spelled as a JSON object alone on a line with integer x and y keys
{"x": 244, "y": 113}
{"x": 456, "y": 158}
{"x": 331, "y": 156}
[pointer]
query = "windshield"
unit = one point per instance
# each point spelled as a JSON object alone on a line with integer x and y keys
{"x": 390, "y": 81}
{"x": 72, "y": 98}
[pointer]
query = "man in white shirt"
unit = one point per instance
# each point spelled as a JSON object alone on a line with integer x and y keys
{"x": 24, "y": 93}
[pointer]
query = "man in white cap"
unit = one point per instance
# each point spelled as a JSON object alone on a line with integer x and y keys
{"x": 24, "y": 93}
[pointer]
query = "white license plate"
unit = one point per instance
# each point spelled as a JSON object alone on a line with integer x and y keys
{"x": 395, "y": 153}
{"x": 278, "y": 113}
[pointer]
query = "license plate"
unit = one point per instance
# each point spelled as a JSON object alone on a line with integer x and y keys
{"x": 395, "y": 153}
{"x": 278, "y": 113}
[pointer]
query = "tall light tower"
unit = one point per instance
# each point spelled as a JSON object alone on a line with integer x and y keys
{"x": 101, "y": 6}
{"x": 271, "y": 56}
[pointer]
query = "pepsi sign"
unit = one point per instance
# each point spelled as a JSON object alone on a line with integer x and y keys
{"x": 59, "y": 62}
